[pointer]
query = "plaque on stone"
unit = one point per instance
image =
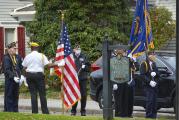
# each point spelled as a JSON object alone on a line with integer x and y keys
{"x": 119, "y": 69}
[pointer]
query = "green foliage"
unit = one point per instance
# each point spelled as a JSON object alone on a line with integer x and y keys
{"x": 163, "y": 27}
{"x": 87, "y": 21}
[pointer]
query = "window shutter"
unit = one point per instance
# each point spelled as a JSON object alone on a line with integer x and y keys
{"x": 1, "y": 43}
{"x": 21, "y": 40}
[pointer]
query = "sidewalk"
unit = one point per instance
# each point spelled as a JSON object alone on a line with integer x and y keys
{"x": 54, "y": 105}
{"x": 92, "y": 107}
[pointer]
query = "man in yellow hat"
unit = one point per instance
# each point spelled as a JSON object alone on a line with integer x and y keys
{"x": 34, "y": 66}
{"x": 34, "y": 44}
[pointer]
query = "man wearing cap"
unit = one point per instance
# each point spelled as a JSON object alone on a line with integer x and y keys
{"x": 34, "y": 66}
{"x": 82, "y": 67}
{"x": 124, "y": 92}
{"x": 12, "y": 66}
{"x": 150, "y": 74}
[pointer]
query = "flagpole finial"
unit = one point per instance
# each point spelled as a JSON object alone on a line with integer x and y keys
{"x": 62, "y": 14}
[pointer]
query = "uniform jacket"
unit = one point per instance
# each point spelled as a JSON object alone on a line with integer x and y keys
{"x": 10, "y": 71}
{"x": 145, "y": 71}
{"x": 79, "y": 61}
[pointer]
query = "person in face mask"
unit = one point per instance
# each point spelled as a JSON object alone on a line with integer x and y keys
{"x": 82, "y": 67}
{"x": 149, "y": 71}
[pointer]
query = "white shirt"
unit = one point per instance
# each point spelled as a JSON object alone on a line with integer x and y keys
{"x": 35, "y": 62}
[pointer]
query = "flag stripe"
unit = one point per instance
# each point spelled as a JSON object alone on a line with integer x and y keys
{"x": 60, "y": 49}
{"x": 69, "y": 90}
{"x": 71, "y": 80}
{"x": 73, "y": 87}
{"x": 72, "y": 76}
{"x": 59, "y": 58}
{"x": 68, "y": 96}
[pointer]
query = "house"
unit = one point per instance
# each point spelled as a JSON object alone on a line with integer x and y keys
{"x": 10, "y": 26}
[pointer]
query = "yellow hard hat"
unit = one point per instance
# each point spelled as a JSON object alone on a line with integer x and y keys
{"x": 34, "y": 44}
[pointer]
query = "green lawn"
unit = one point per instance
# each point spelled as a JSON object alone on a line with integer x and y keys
{"x": 25, "y": 116}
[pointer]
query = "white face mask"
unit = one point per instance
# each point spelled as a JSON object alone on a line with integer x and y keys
{"x": 78, "y": 51}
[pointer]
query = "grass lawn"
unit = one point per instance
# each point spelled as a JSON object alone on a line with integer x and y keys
{"x": 25, "y": 116}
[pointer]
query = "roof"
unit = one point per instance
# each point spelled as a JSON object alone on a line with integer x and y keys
{"x": 7, "y": 6}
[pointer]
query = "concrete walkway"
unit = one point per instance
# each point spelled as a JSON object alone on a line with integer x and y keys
{"x": 92, "y": 108}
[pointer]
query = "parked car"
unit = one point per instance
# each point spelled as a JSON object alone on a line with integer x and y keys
{"x": 167, "y": 83}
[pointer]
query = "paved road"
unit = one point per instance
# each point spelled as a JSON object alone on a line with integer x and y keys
{"x": 92, "y": 107}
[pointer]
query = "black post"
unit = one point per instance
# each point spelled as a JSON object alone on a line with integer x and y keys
{"x": 177, "y": 56}
{"x": 107, "y": 85}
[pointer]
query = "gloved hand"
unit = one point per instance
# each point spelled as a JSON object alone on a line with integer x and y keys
{"x": 115, "y": 87}
{"x": 61, "y": 64}
{"x": 130, "y": 56}
{"x": 16, "y": 79}
{"x": 152, "y": 83}
{"x": 129, "y": 82}
{"x": 25, "y": 82}
{"x": 23, "y": 79}
{"x": 153, "y": 74}
{"x": 83, "y": 66}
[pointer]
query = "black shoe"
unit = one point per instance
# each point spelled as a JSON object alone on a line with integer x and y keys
{"x": 73, "y": 113}
{"x": 83, "y": 113}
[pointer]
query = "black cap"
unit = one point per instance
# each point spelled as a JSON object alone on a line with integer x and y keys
{"x": 13, "y": 44}
{"x": 77, "y": 45}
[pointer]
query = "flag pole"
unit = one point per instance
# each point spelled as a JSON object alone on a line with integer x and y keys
{"x": 146, "y": 36}
{"x": 145, "y": 13}
{"x": 62, "y": 75}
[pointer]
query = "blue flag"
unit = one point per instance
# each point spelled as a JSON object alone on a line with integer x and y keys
{"x": 141, "y": 33}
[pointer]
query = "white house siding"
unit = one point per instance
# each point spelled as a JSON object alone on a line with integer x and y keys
{"x": 7, "y": 6}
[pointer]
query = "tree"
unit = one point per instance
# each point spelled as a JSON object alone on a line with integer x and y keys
{"x": 87, "y": 22}
{"x": 163, "y": 26}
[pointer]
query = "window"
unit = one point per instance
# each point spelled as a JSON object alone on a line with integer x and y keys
{"x": 9, "y": 35}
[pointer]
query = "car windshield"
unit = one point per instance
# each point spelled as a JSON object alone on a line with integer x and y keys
{"x": 170, "y": 60}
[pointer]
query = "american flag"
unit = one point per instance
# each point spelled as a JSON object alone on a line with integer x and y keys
{"x": 64, "y": 57}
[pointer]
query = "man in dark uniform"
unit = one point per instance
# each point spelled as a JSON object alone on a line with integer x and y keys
{"x": 124, "y": 94}
{"x": 12, "y": 70}
{"x": 149, "y": 72}
{"x": 82, "y": 67}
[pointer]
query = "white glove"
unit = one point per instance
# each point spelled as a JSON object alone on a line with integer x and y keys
{"x": 130, "y": 55}
{"x": 25, "y": 82}
{"x": 152, "y": 83}
{"x": 16, "y": 79}
{"x": 23, "y": 79}
{"x": 83, "y": 66}
{"x": 115, "y": 87}
{"x": 153, "y": 74}
{"x": 61, "y": 64}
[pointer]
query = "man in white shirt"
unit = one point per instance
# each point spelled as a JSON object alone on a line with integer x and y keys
{"x": 34, "y": 66}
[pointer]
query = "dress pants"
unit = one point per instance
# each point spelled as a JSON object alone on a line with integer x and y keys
{"x": 83, "y": 91}
{"x": 36, "y": 85}
{"x": 11, "y": 96}
{"x": 151, "y": 103}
